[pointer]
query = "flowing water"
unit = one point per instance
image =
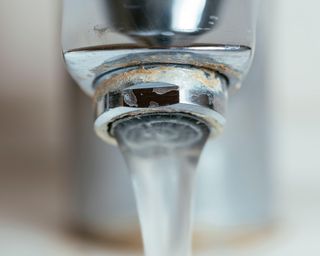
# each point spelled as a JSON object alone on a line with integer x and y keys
{"x": 162, "y": 152}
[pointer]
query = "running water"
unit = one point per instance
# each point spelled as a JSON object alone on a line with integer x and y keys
{"x": 162, "y": 152}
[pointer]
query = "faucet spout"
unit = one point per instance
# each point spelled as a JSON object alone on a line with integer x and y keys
{"x": 159, "y": 89}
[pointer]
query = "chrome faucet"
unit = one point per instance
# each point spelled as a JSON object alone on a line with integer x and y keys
{"x": 148, "y": 56}
{"x": 136, "y": 57}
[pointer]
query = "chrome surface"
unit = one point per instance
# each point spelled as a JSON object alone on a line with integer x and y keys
{"x": 158, "y": 24}
{"x": 163, "y": 23}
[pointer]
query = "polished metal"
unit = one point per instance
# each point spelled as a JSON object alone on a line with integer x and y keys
{"x": 127, "y": 24}
{"x": 160, "y": 89}
{"x": 163, "y": 23}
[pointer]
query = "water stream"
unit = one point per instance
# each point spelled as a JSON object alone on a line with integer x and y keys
{"x": 162, "y": 152}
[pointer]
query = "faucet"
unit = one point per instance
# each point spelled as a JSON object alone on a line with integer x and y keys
{"x": 137, "y": 57}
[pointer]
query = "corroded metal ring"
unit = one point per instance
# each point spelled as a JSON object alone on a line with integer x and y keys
{"x": 160, "y": 89}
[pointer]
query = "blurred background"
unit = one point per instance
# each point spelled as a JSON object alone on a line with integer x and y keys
{"x": 37, "y": 138}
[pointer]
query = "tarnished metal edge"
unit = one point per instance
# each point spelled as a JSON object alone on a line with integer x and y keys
{"x": 231, "y": 60}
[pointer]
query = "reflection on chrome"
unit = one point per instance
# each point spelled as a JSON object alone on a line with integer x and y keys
{"x": 187, "y": 16}
{"x": 162, "y": 23}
